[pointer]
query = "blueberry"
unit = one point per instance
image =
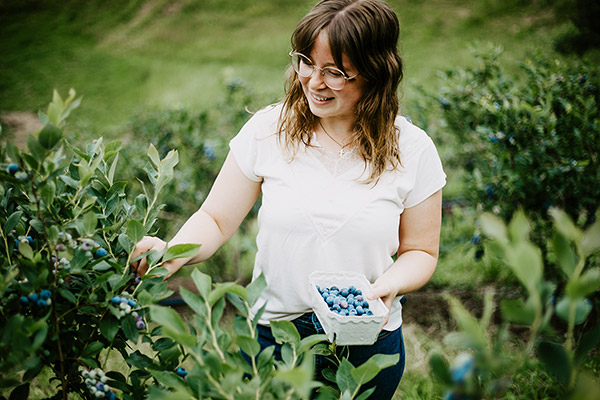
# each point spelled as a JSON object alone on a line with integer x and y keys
{"x": 115, "y": 300}
{"x": 360, "y": 310}
{"x": 13, "y": 168}
{"x": 131, "y": 302}
{"x": 140, "y": 325}
{"x": 351, "y": 301}
{"x": 100, "y": 386}
{"x": 112, "y": 396}
{"x": 352, "y": 312}
{"x": 358, "y": 292}
{"x": 85, "y": 246}
{"x": 24, "y": 299}
{"x": 365, "y": 304}
{"x": 45, "y": 294}
{"x": 41, "y": 303}
{"x": 352, "y": 289}
{"x": 30, "y": 240}
{"x": 368, "y": 312}
{"x": 137, "y": 280}
{"x": 344, "y": 292}
{"x": 334, "y": 288}
{"x": 344, "y": 304}
{"x": 359, "y": 298}
{"x": 329, "y": 300}
{"x": 34, "y": 297}
{"x": 181, "y": 372}
{"x": 16, "y": 243}
{"x": 101, "y": 252}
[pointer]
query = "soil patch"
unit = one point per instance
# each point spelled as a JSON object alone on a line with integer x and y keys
{"x": 19, "y": 125}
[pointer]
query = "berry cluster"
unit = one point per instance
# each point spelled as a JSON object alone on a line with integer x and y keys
{"x": 125, "y": 305}
{"x": 345, "y": 301}
{"x": 43, "y": 299}
{"x": 95, "y": 380}
{"x": 27, "y": 239}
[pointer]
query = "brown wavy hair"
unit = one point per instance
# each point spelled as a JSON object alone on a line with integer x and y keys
{"x": 366, "y": 31}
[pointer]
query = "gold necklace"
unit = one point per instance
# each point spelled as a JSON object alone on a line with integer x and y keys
{"x": 341, "y": 152}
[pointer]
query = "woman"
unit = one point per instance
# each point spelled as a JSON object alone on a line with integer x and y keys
{"x": 347, "y": 184}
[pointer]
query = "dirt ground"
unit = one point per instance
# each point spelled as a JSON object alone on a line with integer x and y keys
{"x": 17, "y": 125}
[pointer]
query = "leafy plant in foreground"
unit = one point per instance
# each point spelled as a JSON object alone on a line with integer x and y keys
{"x": 488, "y": 364}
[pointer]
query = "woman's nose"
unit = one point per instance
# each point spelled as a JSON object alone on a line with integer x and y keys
{"x": 316, "y": 79}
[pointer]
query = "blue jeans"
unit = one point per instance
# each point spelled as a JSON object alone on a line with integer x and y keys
{"x": 388, "y": 342}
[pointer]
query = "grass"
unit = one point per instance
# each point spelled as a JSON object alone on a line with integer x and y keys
{"x": 158, "y": 53}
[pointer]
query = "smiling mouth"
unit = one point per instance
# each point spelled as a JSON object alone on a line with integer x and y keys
{"x": 320, "y": 98}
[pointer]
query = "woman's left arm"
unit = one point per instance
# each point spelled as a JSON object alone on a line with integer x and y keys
{"x": 418, "y": 251}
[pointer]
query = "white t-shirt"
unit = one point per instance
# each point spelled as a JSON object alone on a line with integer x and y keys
{"x": 317, "y": 215}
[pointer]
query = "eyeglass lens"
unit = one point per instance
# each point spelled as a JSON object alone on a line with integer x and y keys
{"x": 333, "y": 77}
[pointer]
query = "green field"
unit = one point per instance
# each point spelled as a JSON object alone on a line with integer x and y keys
{"x": 160, "y": 53}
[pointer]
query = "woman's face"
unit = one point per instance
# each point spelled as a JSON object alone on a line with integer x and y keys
{"x": 324, "y": 102}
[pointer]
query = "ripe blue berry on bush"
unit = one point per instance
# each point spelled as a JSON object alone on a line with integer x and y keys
{"x": 68, "y": 228}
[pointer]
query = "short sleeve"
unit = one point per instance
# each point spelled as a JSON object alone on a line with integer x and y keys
{"x": 426, "y": 167}
{"x": 246, "y": 146}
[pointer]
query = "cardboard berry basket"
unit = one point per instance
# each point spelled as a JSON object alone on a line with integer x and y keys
{"x": 346, "y": 330}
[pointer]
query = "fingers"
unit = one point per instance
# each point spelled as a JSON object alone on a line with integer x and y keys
{"x": 147, "y": 243}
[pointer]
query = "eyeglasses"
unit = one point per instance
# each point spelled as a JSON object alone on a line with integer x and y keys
{"x": 334, "y": 78}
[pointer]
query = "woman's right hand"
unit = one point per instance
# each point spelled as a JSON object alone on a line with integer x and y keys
{"x": 147, "y": 243}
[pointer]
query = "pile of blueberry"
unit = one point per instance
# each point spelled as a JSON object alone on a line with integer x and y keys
{"x": 95, "y": 380}
{"x": 345, "y": 301}
{"x": 125, "y": 305}
{"x": 43, "y": 299}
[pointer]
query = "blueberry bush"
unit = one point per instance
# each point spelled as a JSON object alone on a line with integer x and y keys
{"x": 556, "y": 323}
{"x": 69, "y": 302}
{"x": 530, "y": 141}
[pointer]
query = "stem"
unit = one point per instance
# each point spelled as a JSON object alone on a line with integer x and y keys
{"x": 213, "y": 334}
{"x": 6, "y": 246}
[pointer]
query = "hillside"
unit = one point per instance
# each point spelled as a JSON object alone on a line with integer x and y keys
{"x": 123, "y": 58}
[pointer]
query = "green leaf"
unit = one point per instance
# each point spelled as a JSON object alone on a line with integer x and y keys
{"x": 90, "y": 221}
{"x": 202, "y": 282}
{"x": 519, "y": 227}
{"x": 526, "y": 262}
{"x": 556, "y": 360}
{"x": 517, "y": 311}
{"x": 248, "y": 345}
{"x": 310, "y": 341}
{"x": 255, "y": 289}
{"x": 67, "y": 295}
{"x": 590, "y": 243}
{"x": 440, "y": 368}
{"x": 47, "y": 192}
{"x": 20, "y": 392}
{"x": 565, "y": 255}
{"x": 589, "y": 340}
{"x": 50, "y": 136}
{"x": 187, "y": 250}
{"x": 344, "y": 378}
{"x": 564, "y": 224}
{"x": 172, "y": 325}
{"x": 493, "y": 227}
{"x": 153, "y": 155}
{"x": 129, "y": 328}
{"x": 584, "y": 285}
{"x": 109, "y": 326}
{"x": 92, "y": 349}
{"x": 102, "y": 266}
{"x": 125, "y": 243}
{"x": 26, "y": 250}
{"x": 135, "y": 230}
{"x": 221, "y": 289}
{"x": 582, "y": 309}
{"x": 36, "y": 150}
{"x": 285, "y": 332}
{"x": 193, "y": 301}
{"x": 12, "y": 221}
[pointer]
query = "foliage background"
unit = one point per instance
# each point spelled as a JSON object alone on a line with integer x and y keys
{"x": 179, "y": 74}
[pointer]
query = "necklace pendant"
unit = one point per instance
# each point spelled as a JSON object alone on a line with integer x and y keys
{"x": 341, "y": 152}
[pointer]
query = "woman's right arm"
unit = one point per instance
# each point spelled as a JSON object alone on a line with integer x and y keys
{"x": 232, "y": 196}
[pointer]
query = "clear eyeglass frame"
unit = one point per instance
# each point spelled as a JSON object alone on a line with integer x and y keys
{"x": 334, "y": 78}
